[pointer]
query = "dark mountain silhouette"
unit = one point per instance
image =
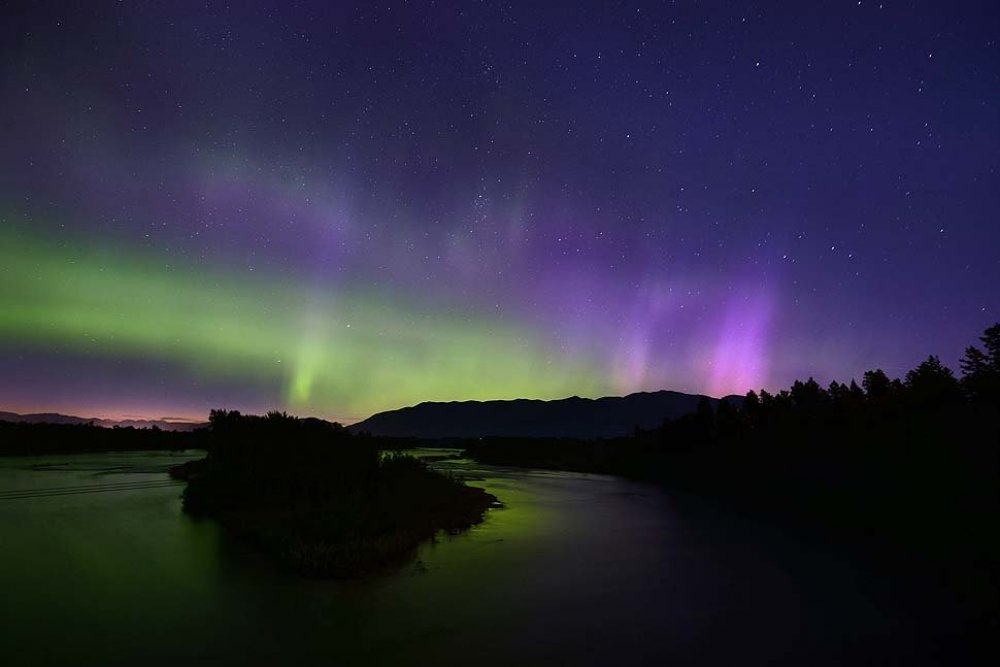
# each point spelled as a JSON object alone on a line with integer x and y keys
{"x": 56, "y": 418}
{"x": 575, "y": 417}
{"x": 42, "y": 418}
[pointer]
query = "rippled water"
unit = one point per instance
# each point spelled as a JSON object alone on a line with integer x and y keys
{"x": 98, "y": 565}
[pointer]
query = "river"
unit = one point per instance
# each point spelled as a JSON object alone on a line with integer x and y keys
{"x": 99, "y": 565}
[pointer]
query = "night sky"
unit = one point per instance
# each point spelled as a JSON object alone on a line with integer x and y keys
{"x": 336, "y": 210}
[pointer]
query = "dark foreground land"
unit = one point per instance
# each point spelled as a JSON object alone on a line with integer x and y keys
{"x": 907, "y": 471}
{"x": 38, "y": 439}
{"x": 322, "y": 501}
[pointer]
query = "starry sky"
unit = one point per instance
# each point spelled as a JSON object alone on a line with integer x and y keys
{"x": 337, "y": 209}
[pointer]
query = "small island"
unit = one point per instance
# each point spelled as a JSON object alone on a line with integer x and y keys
{"x": 324, "y": 502}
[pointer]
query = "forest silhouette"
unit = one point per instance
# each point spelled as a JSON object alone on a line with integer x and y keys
{"x": 37, "y": 439}
{"x": 908, "y": 469}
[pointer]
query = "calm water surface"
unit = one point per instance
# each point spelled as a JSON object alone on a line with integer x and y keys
{"x": 98, "y": 565}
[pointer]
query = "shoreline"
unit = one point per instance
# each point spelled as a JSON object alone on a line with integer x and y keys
{"x": 344, "y": 537}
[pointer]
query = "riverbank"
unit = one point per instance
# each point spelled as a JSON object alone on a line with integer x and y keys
{"x": 577, "y": 569}
{"x": 916, "y": 496}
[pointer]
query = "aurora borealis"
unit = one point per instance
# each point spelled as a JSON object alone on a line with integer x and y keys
{"x": 362, "y": 348}
{"x": 337, "y": 209}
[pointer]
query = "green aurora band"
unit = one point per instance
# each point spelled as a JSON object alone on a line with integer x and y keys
{"x": 341, "y": 353}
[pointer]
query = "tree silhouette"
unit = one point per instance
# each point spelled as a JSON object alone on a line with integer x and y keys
{"x": 876, "y": 384}
{"x": 808, "y": 395}
{"x": 751, "y": 404}
{"x": 981, "y": 370}
{"x": 932, "y": 382}
{"x": 856, "y": 392}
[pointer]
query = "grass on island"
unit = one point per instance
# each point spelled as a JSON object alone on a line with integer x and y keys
{"x": 320, "y": 500}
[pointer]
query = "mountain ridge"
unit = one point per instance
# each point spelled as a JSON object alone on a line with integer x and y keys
{"x": 59, "y": 418}
{"x": 572, "y": 417}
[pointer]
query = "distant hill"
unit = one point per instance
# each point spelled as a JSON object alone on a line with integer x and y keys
{"x": 569, "y": 417}
{"x": 56, "y": 418}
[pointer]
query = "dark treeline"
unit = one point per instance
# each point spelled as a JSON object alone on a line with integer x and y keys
{"x": 26, "y": 439}
{"x": 321, "y": 500}
{"x": 41, "y": 438}
{"x": 928, "y": 413}
{"x": 910, "y": 463}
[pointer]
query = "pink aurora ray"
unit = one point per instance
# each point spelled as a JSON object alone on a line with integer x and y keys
{"x": 740, "y": 360}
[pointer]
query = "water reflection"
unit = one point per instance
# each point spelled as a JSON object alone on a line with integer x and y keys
{"x": 573, "y": 569}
